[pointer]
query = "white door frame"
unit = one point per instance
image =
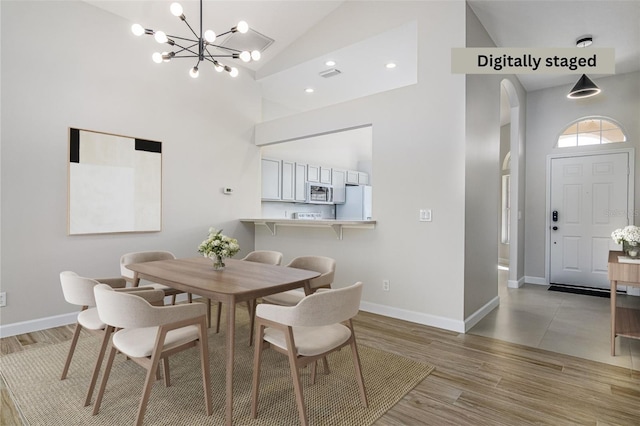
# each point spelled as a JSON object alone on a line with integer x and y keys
{"x": 584, "y": 153}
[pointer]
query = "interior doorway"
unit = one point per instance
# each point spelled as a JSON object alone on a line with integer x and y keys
{"x": 510, "y": 115}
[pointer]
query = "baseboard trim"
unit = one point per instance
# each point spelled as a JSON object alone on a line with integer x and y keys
{"x": 13, "y": 329}
{"x": 515, "y": 283}
{"x": 474, "y": 318}
{"x": 416, "y": 317}
{"x": 536, "y": 280}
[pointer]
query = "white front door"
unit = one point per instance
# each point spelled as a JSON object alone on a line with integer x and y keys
{"x": 589, "y": 199}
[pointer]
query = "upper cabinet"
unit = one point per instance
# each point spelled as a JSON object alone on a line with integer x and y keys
{"x": 325, "y": 175}
{"x": 284, "y": 180}
{"x": 339, "y": 177}
{"x": 288, "y": 180}
{"x": 271, "y": 179}
{"x": 313, "y": 173}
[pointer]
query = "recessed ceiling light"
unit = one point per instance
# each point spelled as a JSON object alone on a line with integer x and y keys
{"x": 391, "y": 65}
{"x": 584, "y": 41}
{"x": 330, "y": 63}
{"x": 308, "y": 90}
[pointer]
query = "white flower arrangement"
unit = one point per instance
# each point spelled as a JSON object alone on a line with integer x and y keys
{"x": 218, "y": 246}
{"x": 630, "y": 234}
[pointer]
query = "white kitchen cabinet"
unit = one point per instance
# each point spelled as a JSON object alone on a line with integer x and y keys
{"x": 339, "y": 178}
{"x": 363, "y": 178}
{"x": 352, "y": 177}
{"x": 271, "y": 179}
{"x": 325, "y": 175}
{"x": 288, "y": 171}
{"x": 313, "y": 173}
{"x": 300, "y": 193}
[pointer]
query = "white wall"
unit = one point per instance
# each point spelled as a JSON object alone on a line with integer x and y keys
{"x": 90, "y": 73}
{"x": 418, "y": 162}
{"x": 482, "y": 173}
{"x": 548, "y": 113}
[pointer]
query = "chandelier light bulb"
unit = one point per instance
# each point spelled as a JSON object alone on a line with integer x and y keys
{"x": 242, "y": 27}
{"x": 194, "y": 72}
{"x": 218, "y": 67}
{"x": 157, "y": 57}
{"x": 166, "y": 56}
{"x": 256, "y": 55}
{"x": 160, "y": 37}
{"x": 176, "y": 9}
{"x": 210, "y": 36}
{"x": 137, "y": 29}
{"x": 245, "y": 56}
{"x": 233, "y": 72}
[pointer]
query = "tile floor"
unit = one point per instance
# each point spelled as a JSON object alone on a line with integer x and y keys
{"x": 566, "y": 323}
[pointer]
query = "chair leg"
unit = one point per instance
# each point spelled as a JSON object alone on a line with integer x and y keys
{"x": 218, "y": 317}
{"x": 190, "y": 297}
{"x": 72, "y": 348}
{"x": 146, "y": 391}
{"x": 251, "y": 306}
{"x": 257, "y": 360}
{"x": 105, "y": 377}
{"x": 167, "y": 375}
{"x": 325, "y": 363}
{"x": 204, "y": 363}
{"x": 356, "y": 364}
{"x": 295, "y": 376}
{"x": 173, "y": 299}
{"x": 96, "y": 370}
{"x": 208, "y": 313}
{"x": 314, "y": 369}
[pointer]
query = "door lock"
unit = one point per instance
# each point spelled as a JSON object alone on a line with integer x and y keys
{"x": 555, "y": 228}
{"x": 554, "y": 216}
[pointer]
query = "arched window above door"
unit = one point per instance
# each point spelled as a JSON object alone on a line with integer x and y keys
{"x": 591, "y": 131}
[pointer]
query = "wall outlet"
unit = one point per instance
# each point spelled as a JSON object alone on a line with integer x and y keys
{"x": 3, "y": 299}
{"x": 425, "y": 215}
{"x": 385, "y": 285}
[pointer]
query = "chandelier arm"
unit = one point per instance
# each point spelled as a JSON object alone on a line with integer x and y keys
{"x": 182, "y": 38}
{"x": 192, "y": 31}
{"x": 229, "y": 49}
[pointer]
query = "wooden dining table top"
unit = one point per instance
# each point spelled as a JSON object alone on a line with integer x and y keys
{"x": 241, "y": 280}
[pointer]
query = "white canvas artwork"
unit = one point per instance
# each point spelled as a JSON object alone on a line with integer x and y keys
{"x": 115, "y": 184}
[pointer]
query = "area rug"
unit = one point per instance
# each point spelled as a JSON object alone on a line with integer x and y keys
{"x": 33, "y": 380}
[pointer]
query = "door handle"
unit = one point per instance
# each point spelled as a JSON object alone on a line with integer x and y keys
{"x": 555, "y": 228}
{"x": 554, "y": 216}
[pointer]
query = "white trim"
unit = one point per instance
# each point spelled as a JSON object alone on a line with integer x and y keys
{"x": 13, "y": 329}
{"x": 30, "y": 326}
{"x": 515, "y": 283}
{"x": 474, "y": 318}
{"x": 417, "y": 317}
{"x": 536, "y": 280}
{"x": 631, "y": 165}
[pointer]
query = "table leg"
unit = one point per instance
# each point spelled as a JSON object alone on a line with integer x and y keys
{"x": 614, "y": 289}
{"x": 231, "y": 329}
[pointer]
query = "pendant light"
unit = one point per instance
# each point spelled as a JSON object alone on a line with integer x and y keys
{"x": 584, "y": 88}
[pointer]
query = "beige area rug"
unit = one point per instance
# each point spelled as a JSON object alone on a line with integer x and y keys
{"x": 32, "y": 378}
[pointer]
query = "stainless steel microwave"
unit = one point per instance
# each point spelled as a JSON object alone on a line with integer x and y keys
{"x": 319, "y": 193}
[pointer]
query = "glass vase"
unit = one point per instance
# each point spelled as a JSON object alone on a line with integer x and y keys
{"x": 631, "y": 249}
{"x": 218, "y": 263}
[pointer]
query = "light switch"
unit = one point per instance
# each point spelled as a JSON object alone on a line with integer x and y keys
{"x": 425, "y": 215}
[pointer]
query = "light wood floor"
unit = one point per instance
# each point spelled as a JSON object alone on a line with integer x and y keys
{"x": 477, "y": 380}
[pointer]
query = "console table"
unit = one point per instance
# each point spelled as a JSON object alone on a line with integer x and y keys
{"x": 624, "y": 321}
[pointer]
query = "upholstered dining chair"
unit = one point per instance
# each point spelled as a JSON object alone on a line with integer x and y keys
{"x": 78, "y": 290}
{"x": 317, "y": 326}
{"x": 147, "y": 256}
{"x": 326, "y": 266}
{"x": 261, "y": 256}
{"x": 149, "y": 334}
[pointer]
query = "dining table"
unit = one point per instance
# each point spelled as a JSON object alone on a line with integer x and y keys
{"x": 238, "y": 281}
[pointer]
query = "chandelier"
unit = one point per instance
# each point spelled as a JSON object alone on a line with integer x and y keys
{"x": 198, "y": 48}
